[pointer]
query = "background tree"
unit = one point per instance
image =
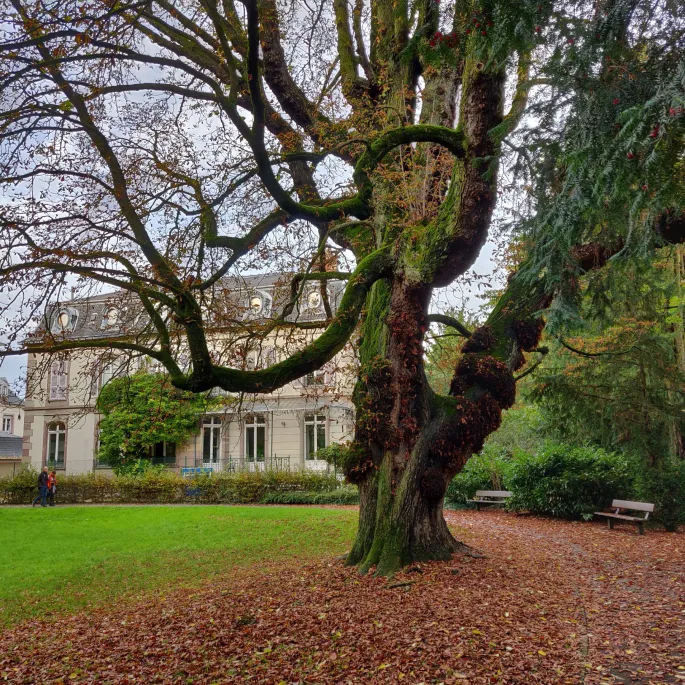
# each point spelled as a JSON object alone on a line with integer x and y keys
{"x": 155, "y": 146}
{"x": 141, "y": 411}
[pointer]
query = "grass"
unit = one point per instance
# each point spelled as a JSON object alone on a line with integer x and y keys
{"x": 64, "y": 559}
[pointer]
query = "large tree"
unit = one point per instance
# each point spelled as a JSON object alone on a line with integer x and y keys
{"x": 158, "y": 145}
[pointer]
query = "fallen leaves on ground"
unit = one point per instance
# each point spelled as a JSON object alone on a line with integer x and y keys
{"x": 551, "y": 602}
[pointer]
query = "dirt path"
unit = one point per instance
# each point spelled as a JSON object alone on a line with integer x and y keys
{"x": 552, "y": 602}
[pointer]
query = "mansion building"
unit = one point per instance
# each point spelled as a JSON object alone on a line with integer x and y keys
{"x": 282, "y": 430}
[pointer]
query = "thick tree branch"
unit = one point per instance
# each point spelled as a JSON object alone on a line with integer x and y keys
{"x": 449, "y": 321}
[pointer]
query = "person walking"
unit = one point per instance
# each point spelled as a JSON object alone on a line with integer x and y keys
{"x": 42, "y": 488}
{"x": 52, "y": 488}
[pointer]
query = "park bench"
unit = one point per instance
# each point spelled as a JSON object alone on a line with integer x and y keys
{"x": 624, "y": 505}
{"x": 493, "y": 497}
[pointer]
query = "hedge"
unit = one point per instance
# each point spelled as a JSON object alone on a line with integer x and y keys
{"x": 345, "y": 495}
{"x": 567, "y": 482}
{"x": 166, "y": 487}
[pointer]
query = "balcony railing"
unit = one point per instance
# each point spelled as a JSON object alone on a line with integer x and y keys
{"x": 238, "y": 465}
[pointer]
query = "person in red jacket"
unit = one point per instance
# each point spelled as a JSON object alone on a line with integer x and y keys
{"x": 52, "y": 488}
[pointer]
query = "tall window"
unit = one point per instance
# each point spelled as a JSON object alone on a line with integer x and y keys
{"x": 255, "y": 438}
{"x": 211, "y": 440}
{"x": 163, "y": 453}
{"x": 58, "y": 380}
{"x": 108, "y": 372}
{"x": 57, "y": 435}
{"x": 7, "y": 424}
{"x": 315, "y": 434}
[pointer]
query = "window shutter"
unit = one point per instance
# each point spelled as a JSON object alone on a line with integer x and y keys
{"x": 54, "y": 380}
{"x": 63, "y": 380}
{"x": 58, "y": 381}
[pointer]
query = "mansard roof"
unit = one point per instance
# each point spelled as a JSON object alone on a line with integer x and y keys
{"x": 10, "y": 445}
{"x": 7, "y": 396}
{"x": 249, "y": 298}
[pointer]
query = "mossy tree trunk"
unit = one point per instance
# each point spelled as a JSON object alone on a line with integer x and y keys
{"x": 411, "y": 441}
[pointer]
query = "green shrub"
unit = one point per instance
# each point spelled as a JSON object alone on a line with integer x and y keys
{"x": 162, "y": 486}
{"x": 19, "y": 488}
{"x": 568, "y": 482}
{"x": 488, "y": 470}
{"x": 523, "y": 428}
{"x": 344, "y": 495}
{"x": 664, "y": 486}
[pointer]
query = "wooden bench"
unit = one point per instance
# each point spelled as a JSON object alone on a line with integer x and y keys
{"x": 620, "y": 504}
{"x": 492, "y": 497}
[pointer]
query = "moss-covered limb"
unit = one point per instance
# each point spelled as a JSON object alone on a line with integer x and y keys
{"x": 521, "y": 301}
{"x": 448, "y": 245}
{"x": 449, "y": 321}
{"x": 376, "y": 266}
{"x": 56, "y": 346}
{"x": 359, "y": 38}
{"x": 520, "y": 100}
{"x": 353, "y": 85}
{"x": 360, "y": 204}
{"x": 356, "y": 236}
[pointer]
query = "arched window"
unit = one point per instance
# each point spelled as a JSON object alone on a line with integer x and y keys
{"x": 58, "y": 380}
{"x": 57, "y": 437}
{"x": 315, "y": 434}
{"x": 258, "y": 305}
{"x": 211, "y": 441}
{"x": 110, "y": 318}
{"x": 255, "y": 438}
{"x": 65, "y": 320}
{"x": 314, "y": 300}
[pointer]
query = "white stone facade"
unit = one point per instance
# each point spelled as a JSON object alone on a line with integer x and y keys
{"x": 279, "y": 430}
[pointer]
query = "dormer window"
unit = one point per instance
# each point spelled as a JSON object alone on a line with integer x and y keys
{"x": 65, "y": 320}
{"x": 110, "y": 318}
{"x": 256, "y": 304}
{"x": 314, "y": 299}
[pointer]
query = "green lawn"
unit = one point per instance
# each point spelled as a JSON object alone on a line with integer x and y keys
{"x": 62, "y": 559}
